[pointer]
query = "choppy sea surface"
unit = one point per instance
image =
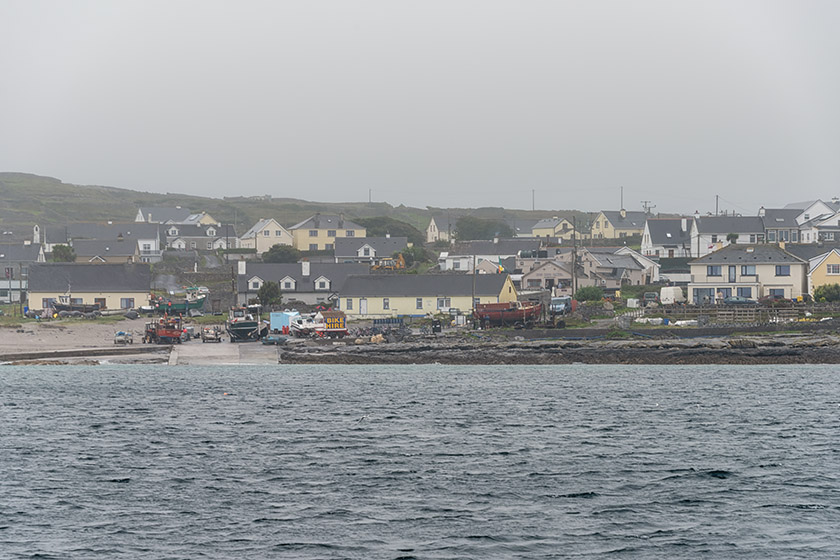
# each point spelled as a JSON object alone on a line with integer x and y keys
{"x": 420, "y": 462}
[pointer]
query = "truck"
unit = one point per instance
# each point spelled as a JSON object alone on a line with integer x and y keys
{"x": 670, "y": 295}
{"x": 211, "y": 334}
{"x": 167, "y": 330}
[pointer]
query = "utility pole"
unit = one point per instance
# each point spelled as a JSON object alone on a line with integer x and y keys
{"x": 622, "y": 199}
{"x": 370, "y": 196}
{"x": 646, "y": 204}
{"x": 532, "y": 200}
{"x": 574, "y": 255}
{"x": 717, "y": 198}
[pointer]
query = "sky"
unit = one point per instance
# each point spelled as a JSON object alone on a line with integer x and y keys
{"x": 459, "y": 103}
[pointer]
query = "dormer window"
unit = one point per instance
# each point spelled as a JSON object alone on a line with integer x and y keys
{"x": 211, "y": 232}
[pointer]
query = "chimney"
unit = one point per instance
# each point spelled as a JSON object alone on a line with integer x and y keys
{"x": 240, "y": 268}
{"x": 304, "y": 269}
{"x": 684, "y": 224}
{"x": 387, "y": 236}
{"x": 496, "y": 240}
{"x": 761, "y": 212}
{"x": 623, "y": 213}
{"x": 782, "y": 245}
{"x": 340, "y": 220}
{"x": 149, "y": 217}
{"x": 317, "y": 220}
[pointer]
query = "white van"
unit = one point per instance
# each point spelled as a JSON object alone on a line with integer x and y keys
{"x": 670, "y": 295}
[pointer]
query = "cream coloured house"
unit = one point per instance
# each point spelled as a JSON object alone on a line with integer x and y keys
{"x": 750, "y": 271}
{"x": 418, "y": 295}
{"x": 113, "y": 286}
{"x": 319, "y": 232}
{"x": 264, "y": 235}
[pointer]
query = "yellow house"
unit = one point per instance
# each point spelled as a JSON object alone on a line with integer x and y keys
{"x": 553, "y": 227}
{"x": 418, "y": 295}
{"x": 611, "y": 224}
{"x": 113, "y": 286}
{"x": 823, "y": 270}
{"x": 264, "y": 235}
{"x": 319, "y": 232}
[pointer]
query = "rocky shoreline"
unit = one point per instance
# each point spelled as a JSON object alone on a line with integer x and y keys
{"x": 764, "y": 349}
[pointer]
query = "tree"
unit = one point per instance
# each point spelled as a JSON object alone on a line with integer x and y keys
{"x": 732, "y": 237}
{"x": 270, "y": 294}
{"x": 589, "y": 293}
{"x": 380, "y": 226}
{"x": 63, "y": 253}
{"x": 281, "y": 254}
{"x": 470, "y": 228}
{"x": 827, "y": 292}
{"x": 415, "y": 254}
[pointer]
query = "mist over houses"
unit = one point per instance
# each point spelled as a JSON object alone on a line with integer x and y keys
{"x": 779, "y": 252}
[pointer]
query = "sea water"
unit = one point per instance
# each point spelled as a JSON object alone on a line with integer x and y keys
{"x": 420, "y": 462}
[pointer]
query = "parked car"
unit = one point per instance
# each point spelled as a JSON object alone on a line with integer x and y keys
{"x": 739, "y": 300}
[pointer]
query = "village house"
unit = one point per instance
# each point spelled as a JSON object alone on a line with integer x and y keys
{"x": 441, "y": 228}
{"x": 174, "y": 215}
{"x": 747, "y": 270}
{"x": 149, "y": 238}
{"x": 15, "y": 260}
{"x": 420, "y": 295}
{"x": 611, "y": 224}
{"x": 264, "y": 235}
{"x": 319, "y": 232}
{"x": 95, "y": 251}
{"x": 200, "y": 237}
{"x": 555, "y": 276}
{"x": 606, "y": 268}
{"x": 370, "y": 250}
{"x": 310, "y": 283}
{"x": 780, "y": 224}
{"x": 711, "y": 233}
{"x": 553, "y": 228}
{"x": 821, "y": 258}
{"x": 464, "y": 256}
{"x": 113, "y": 286}
{"x": 667, "y": 237}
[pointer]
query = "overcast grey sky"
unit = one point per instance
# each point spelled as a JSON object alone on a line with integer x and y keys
{"x": 450, "y": 103}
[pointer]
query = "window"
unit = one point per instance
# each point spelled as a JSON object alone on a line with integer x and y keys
{"x": 747, "y": 270}
{"x": 9, "y": 272}
{"x": 278, "y": 233}
{"x": 752, "y": 238}
{"x": 78, "y": 300}
{"x": 209, "y": 245}
{"x": 476, "y": 301}
{"x": 313, "y": 246}
{"x": 266, "y": 233}
{"x": 777, "y": 292}
{"x": 782, "y": 270}
{"x": 147, "y": 246}
{"x": 833, "y": 268}
{"x": 313, "y": 233}
{"x": 287, "y": 285}
{"x": 713, "y": 270}
{"x": 794, "y": 236}
{"x": 366, "y": 251}
{"x": 714, "y": 239}
{"x": 127, "y": 303}
{"x": 330, "y": 233}
{"x": 322, "y": 285}
{"x": 386, "y": 303}
{"x": 101, "y": 302}
{"x": 328, "y": 246}
{"x": 534, "y": 283}
{"x": 192, "y": 244}
{"x": 349, "y": 305}
{"x": 350, "y": 233}
{"x": 456, "y": 265}
{"x": 771, "y": 235}
{"x": 419, "y": 303}
{"x": 784, "y": 235}
{"x": 745, "y": 292}
{"x": 45, "y": 303}
{"x": 829, "y": 236}
{"x": 255, "y": 285}
{"x": 443, "y": 303}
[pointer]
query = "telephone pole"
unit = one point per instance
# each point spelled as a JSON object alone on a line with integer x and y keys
{"x": 646, "y": 204}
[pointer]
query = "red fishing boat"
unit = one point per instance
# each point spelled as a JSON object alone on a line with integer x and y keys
{"x": 512, "y": 313}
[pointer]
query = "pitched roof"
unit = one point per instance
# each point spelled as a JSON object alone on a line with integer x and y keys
{"x": 668, "y": 232}
{"x": 729, "y": 224}
{"x": 163, "y": 214}
{"x": 749, "y": 254}
{"x": 630, "y": 220}
{"x": 258, "y": 227}
{"x": 423, "y": 285}
{"x": 20, "y": 252}
{"x": 384, "y": 246}
{"x": 129, "y": 230}
{"x": 102, "y": 248}
{"x": 76, "y": 277}
{"x": 781, "y": 218}
{"x": 274, "y": 272}
{"x": 200, "y": 230}
{"x": 326, "y": 221}
{"x": 807, "y": 251}
{"x": 521, "y": 226}
{"x": 501, "y": 247}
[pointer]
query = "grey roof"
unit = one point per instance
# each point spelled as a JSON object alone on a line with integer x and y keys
{"x": 57, "y": 277}
{"x": 630, "y": 220}
{"x": 200, "y": 230}
{"x": 337, "y": 273}
{"x": 781, "y": 218}
{"x": 729, "y": 224}
{"x": 102, "y": 248}
{"x": 20, "y": 252}
{"x": 326, "y": 221}
{"x": 617, "y": 261}
{"x": 668, "y": 232}
{"x": 748, "y": 254}
{"x": 163, "y": 214}
{"x": 521, "y": 226}
{"x": 129, "y": 230}
{"x": 806, "y": 203}
{"x": 807, "y": 251}
{"x": 423, "y": 285}
{"x": 384, "y": 246}
{"x": 257, "y": 227}
{"x": 502, "y": 247}
{"x": 445, "y": 222}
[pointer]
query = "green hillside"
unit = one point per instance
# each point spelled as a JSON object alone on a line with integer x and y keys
{"x": 32, "y": 199}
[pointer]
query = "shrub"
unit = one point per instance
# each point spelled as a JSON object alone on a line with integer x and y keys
{"x": 589, "y": 293}
{"x": 827, "y": 292}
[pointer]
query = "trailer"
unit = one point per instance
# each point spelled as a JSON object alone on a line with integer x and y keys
{"x": 509, "y": 314}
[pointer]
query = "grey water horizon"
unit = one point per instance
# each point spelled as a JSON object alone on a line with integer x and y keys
{"x": 435, "y": 461}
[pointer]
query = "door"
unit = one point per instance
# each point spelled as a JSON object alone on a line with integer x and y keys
{"x": 363, "y": 306}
